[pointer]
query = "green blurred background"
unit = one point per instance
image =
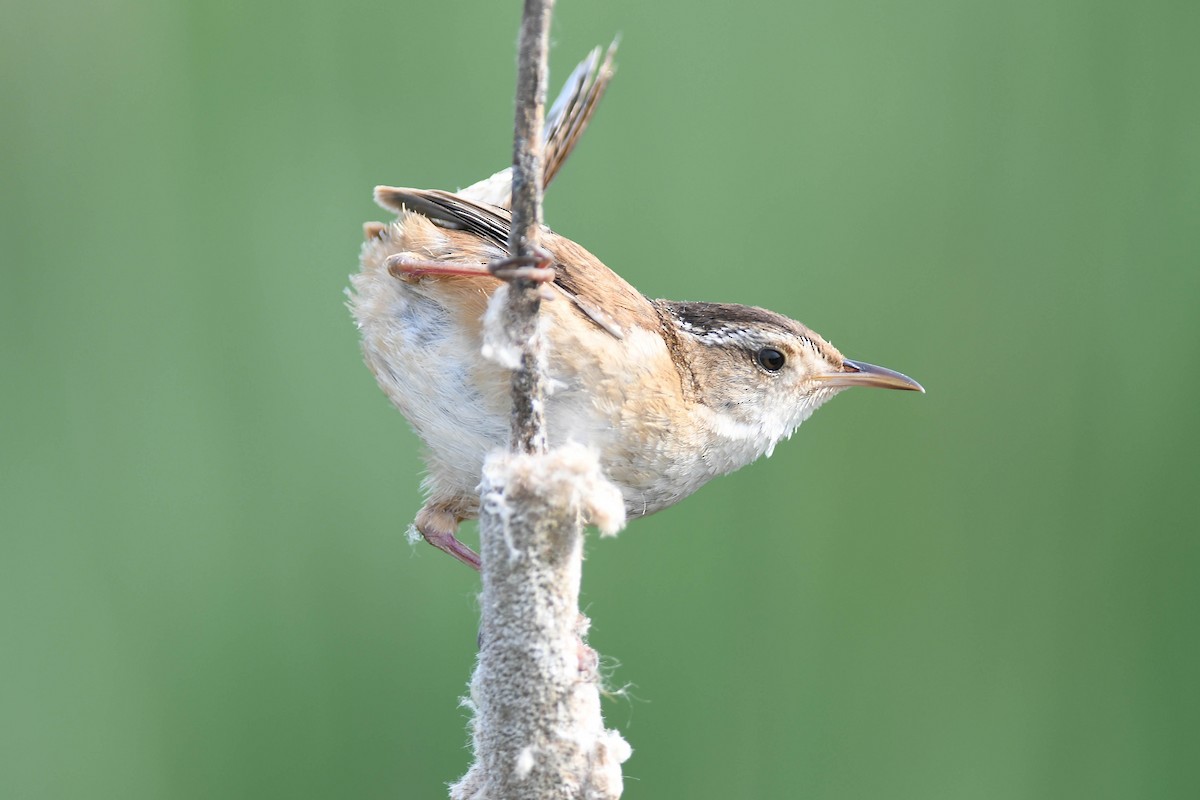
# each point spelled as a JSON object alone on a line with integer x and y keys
{"x": 986, "y": 592}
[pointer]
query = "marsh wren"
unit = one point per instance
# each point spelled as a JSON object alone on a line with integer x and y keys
{"x": 670, "y": 394}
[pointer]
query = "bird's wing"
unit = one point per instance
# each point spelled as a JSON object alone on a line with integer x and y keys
{"x": 449, "y": 210}
{"x": 598, "y": 292}
{"x": 565, "y": 123}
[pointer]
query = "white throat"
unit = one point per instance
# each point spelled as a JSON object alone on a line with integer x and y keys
{"x": 737, "y": 442}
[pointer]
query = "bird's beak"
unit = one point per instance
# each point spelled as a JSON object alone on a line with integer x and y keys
{"x": 858, "y": 373}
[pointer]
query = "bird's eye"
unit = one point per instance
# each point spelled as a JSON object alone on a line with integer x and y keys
{"x": 770, "y": 359}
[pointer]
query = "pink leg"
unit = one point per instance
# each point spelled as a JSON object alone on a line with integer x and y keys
{"x": 404, "y": 266}
{"x": 437, "y": 526}
{"x": 538, "y": 267}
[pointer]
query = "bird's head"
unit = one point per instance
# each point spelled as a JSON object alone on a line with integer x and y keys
{"x": 759, "y": 374}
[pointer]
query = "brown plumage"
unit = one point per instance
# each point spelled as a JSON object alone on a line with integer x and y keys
{"x": 669, "y": 394}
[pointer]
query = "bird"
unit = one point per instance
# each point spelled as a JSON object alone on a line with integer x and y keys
{"x": 669, "y": 394}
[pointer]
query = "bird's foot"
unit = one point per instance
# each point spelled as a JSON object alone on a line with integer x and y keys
{"x": 437, "y": 526}
{"x": 537, "y": 267}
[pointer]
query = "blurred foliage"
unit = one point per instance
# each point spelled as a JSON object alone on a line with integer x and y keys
{"x": 986, "y": 592}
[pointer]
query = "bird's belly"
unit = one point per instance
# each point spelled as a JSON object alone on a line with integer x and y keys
{"x": 423, "y": 344}
{"x": 425, "y": 360}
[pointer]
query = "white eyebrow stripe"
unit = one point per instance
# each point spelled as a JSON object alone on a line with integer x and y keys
{"x": 729, "y": 334}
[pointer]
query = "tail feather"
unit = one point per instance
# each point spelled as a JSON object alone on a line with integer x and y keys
{"x": 571, "y": 112}
{"x": 565, "y": 124}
